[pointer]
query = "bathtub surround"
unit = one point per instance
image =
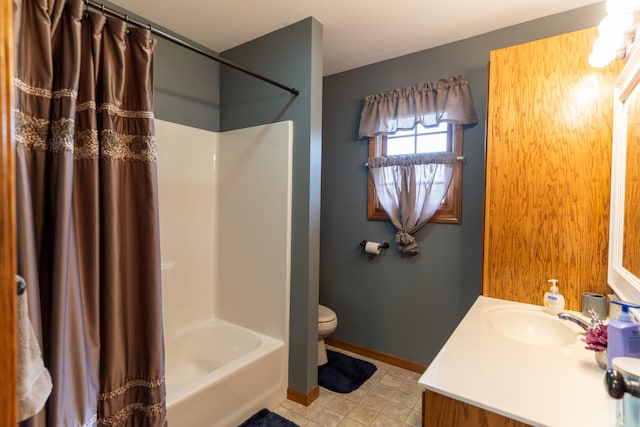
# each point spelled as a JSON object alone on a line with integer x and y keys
{"x": 88, "y": 242}
{"x": 225, "y": 212}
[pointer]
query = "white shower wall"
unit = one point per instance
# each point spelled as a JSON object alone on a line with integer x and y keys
{"x": 225, "y": 221}
{"x": 187, "y": 217}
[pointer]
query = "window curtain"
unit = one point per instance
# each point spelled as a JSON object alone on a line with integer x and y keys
{"x": 410, "y": 189}
{"x": 87, "y": 213}
{"x": 446, "y": 100}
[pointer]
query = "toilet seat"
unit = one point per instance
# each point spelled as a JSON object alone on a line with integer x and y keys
{"x": 325, "y": 314}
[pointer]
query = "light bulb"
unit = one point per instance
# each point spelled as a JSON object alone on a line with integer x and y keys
{"x": 616, "y": 23}
{"x": 608, "y": 42}
{"x": 601, "y": 58}
{"x": 619, "y": 6}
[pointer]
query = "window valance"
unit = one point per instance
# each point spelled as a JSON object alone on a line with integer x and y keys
{"x": 445, "y": 100}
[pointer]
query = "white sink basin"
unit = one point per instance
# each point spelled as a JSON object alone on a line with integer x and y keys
{"x": 530, "y": 326}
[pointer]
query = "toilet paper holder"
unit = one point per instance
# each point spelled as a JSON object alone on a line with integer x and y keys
{"x": 384, "y": 245}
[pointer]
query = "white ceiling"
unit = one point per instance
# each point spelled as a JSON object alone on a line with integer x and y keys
{"x": 355, "y": 32}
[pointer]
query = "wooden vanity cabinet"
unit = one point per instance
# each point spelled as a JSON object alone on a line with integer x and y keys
{"x": 439, "y": 411}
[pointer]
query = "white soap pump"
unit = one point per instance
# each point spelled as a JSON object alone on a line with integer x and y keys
{"x": 553, "y": 301}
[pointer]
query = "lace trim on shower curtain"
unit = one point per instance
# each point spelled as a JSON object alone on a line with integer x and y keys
{"x": 57, "y": 136}
{"x": 41, "y": 135}
{"x": 129, "y": 384}
{"x": 128, "y": 147}
{"x": 149, "y": 410}
{"x": 91, "y": 105}
{"x": 45, "y": 93}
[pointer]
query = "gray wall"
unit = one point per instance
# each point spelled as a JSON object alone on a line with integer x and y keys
{"x": 186, "y": 87}
{"x": 407, "y": 306}
{"x": 292, "y": 56}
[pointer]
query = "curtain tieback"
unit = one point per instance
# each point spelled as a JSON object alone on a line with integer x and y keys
{"x": 406, "y": 243}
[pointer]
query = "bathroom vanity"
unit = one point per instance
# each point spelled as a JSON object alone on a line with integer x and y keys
{"x": 512, "y": 364}
{"x": 500, "y": 367}
{"x": 509, "y": 363}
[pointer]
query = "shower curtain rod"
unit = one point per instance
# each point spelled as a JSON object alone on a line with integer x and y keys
{"x": 124, "y": 17}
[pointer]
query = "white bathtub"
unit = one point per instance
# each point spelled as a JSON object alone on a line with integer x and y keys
{"x": 219, "y": 374}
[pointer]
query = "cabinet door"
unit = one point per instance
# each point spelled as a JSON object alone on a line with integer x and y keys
{"x": 548, "y": 167}
{"x": 439, "y": 410}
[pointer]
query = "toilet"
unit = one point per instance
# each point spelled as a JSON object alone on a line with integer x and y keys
{"x": 327, "y": 323}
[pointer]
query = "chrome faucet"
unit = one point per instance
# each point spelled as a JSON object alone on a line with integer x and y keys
{"x": 568, "y": 316}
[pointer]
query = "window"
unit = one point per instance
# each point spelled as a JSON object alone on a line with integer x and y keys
{"x": 445, "y": 137}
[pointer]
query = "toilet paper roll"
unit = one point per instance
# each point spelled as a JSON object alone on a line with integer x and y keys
{"x": 372, "y": 248}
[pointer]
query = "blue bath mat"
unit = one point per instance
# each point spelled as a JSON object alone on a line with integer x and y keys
{"x": 344, "y": 374}
{"x": 266, "y": 418}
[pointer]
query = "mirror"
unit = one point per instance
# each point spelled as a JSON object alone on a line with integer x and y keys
{"x": 631, "y": 229}
{"x": 624, "y": 235}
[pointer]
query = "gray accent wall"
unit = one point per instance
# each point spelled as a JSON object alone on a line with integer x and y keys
{"x": 292, "y": 56}
{"x": 407, "y": 306}
{"x": 186, "y": 87}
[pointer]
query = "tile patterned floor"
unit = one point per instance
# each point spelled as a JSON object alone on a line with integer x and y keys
{"x": 390, "y": 398}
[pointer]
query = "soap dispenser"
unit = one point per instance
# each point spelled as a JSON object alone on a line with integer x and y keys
{"x": 623, "y": 334}
{"x": 553, "y": 301}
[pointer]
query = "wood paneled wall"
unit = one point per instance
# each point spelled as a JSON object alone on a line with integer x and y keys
{"x": 8, "y": 408}
{"x": 548, "y": 170}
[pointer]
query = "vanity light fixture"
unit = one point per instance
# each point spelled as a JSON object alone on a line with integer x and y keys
{"x": 616, "y": 32}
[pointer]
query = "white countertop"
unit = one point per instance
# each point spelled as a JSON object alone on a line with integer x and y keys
{"x": 538, "y": 385}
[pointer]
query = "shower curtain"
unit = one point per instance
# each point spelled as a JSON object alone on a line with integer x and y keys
{"x": 88, "y": 243}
